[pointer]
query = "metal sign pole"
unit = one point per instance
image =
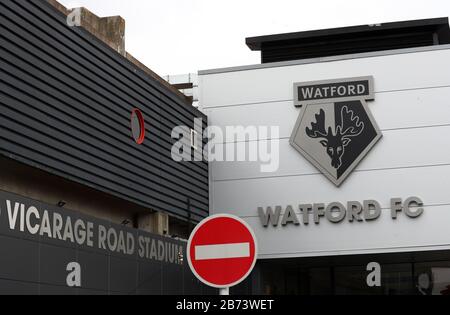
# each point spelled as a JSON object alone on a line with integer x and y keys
{"x": 225, "y": 291}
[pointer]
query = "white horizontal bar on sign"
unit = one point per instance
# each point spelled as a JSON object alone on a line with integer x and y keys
{"x": 222, "y": 251}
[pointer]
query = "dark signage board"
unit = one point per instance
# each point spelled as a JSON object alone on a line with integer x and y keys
{"x": 44, "y": 249}
{"x": 338, "y": 90}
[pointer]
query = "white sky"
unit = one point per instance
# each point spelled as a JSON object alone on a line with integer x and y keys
{"x": 182, "y": 36}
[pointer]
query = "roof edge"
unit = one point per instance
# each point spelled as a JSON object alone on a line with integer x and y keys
{"x": 324, "y": 59}
{"x": 255, "y": 43}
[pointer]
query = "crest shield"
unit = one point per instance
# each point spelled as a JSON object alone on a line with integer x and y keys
{"x": 335, "y": 133}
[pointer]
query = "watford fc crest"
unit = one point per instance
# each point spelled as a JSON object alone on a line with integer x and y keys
{"x": 335, "y": 129}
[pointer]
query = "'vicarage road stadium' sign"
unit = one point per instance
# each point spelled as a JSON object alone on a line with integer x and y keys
{"x": 45, "y": 249}
{"x": 25, "y": 217}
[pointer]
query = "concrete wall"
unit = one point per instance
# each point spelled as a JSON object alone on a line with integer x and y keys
{"x": 27, "y": 181}
{"x": 412, "y": 109}
{"x": 39, "y": 185}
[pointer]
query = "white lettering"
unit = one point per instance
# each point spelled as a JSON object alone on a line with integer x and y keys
{"x": 307, "y": 93}
{"x": 68, "y": 231}
{"x": 101, "y": 237}
{"x": 45, "y": 225}
{"x": 32, "y": 229}
{"x": 374, "y": 277}
{"x": 12, "y": 215}
{"x": 74, "y": 277}
{"x": 80, "y": 232}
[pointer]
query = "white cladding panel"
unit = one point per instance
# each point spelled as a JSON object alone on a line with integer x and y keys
{"x": 412, "y": 108}
{"x": 430, "y": 148}
{"x": 384, "y": 235}
{"x": 393, "y": 72}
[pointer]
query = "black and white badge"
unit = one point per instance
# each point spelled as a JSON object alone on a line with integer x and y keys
{"x": 335, "y": 129}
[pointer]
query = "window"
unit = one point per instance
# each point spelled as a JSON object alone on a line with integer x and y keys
{"x": 138, "y": 126}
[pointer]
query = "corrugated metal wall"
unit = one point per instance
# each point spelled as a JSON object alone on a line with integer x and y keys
{"x": 65, "y": 106}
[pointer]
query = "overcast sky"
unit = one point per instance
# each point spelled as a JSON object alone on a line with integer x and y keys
{"x": 182, "y": 36}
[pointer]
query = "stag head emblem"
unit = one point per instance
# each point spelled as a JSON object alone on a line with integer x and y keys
{"x": 335, "y": 129}
{"x": 336, "y": 141}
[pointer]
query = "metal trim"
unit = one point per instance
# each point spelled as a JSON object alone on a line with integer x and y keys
{"x": 324, "y": 59}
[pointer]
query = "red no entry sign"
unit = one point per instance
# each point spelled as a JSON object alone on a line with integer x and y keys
{"x": 222, "y": 251}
